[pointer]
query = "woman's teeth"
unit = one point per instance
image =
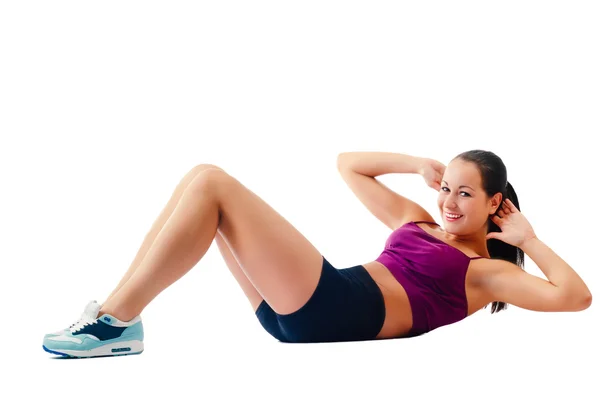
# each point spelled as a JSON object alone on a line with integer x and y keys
{"x": 453, "y": 217}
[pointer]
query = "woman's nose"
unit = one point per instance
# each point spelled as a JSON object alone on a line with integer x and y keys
{"x": 450, "y": 204}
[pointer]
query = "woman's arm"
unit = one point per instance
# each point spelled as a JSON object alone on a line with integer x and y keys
{"x": 558, "y": 272}
{"x": 358, "y": 169}
{"x": 377, "y": 163}
{"x": 506, "y": 282}
{"x": 563, "y": 291}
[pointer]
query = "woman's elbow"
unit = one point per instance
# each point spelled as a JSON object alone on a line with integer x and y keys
{"x": 581, "y": 303}
{"x": 587, "y": 301}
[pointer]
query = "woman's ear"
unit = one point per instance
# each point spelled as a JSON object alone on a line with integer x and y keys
{"x": 495, "y": 203}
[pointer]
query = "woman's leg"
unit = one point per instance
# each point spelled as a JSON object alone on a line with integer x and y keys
{"x": 278, "y": 261}
{"x": 236, "y": 270}
{"x": 160, "y": 222}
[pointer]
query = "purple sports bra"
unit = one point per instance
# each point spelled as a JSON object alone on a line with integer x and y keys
{"x": 431, "y": 272}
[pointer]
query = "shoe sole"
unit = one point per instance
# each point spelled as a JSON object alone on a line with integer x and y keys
{"x": 130, "y": 347}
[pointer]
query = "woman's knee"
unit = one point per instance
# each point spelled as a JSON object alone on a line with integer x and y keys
{"x": 203, "y": 167}
{"x": 210, "y": 180}
{"x": 194, "y": 172}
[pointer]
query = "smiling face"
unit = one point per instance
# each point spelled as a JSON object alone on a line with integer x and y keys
{"x": 462, "y": 193}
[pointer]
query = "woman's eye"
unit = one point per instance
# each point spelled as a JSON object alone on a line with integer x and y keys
{"x": 460, "y": 192}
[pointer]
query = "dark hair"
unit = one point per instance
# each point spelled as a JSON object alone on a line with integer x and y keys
{"x": 494, "y": 180}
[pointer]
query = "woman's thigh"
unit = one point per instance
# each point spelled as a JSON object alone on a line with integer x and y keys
{"x": 277, "y": 259}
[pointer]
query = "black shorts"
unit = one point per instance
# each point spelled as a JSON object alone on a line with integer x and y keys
{"x": 347, "y": 305}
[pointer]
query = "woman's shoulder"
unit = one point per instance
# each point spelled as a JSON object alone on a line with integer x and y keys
{"x": 483, "y": 271}
{"x": 493, "y": 265}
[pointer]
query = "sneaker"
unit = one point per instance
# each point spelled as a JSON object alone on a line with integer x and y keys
{"x": 88, "y": 309}
{"x": 91, "y": 336}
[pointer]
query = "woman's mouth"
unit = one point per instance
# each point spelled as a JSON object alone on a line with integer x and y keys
{"x": 452, "y": 217}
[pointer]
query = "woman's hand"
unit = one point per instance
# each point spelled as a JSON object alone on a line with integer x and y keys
{"x": 515, "y": 227}
{"x": 432, "y": 171}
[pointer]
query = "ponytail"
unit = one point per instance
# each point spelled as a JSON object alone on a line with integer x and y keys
{"x": 502, "y": 250}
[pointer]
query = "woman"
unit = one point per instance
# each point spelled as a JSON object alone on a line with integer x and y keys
{"x": 426, "y": 277}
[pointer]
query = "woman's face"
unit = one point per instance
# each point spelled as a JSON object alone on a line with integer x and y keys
{"x": 461, "y": 193}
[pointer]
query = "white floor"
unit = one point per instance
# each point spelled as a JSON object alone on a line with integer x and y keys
{"x": 195, "y": 350}
{"x": 531, "y": 358}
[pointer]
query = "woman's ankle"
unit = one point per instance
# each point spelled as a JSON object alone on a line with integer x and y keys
{"x": 120, "y": 314}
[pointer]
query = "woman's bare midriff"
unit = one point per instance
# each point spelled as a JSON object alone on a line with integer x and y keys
{"x": 398, "y": 318}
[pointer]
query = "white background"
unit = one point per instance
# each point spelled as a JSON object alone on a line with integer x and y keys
{"x": 104, "y": 106}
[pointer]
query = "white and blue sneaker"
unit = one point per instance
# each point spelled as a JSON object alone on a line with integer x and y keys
{"x": 88, "y": 309}
{"x": 91, "y": 336}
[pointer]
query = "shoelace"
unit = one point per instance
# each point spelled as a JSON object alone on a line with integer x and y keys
{"x": 81, "y": 322}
